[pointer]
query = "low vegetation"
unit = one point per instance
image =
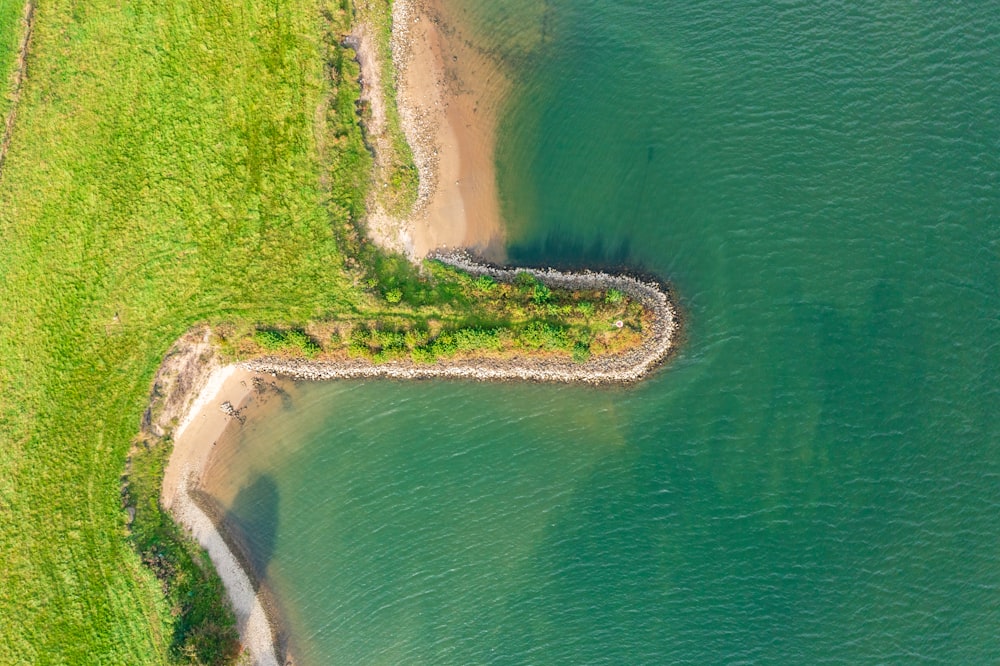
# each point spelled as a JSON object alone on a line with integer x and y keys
{"x": 443, "y": 313}
{"x": 204, "y": 630}
{"x": 179, "y": 162}
{"x": 398, "y": 172}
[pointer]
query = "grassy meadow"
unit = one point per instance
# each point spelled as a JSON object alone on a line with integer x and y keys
{"x": 446, "y": 314}
{"x": 10, "y": 38}
{"x": 177, "y": 162}
{"x": 165, "y": 170}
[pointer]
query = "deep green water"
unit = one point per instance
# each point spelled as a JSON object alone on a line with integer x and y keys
{"x": 816, "y": 477}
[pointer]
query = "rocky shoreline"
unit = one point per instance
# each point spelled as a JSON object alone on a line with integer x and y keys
{"x": 623, "y": 368}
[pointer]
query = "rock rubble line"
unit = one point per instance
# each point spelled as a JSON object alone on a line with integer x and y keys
{"x": 621, "y": 368}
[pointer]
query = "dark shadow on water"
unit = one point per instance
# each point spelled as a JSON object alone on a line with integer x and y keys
{"x": 253, "y": 522}
{"x": 568, "y": 252}
{"x": 250, "y": 527}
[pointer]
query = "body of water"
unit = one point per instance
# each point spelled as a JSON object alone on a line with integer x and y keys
{"x": 815, "y": 478}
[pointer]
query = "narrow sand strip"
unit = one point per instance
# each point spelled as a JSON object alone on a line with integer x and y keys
{"x": 251, "y": 619}
{"x": 194, "y": 438}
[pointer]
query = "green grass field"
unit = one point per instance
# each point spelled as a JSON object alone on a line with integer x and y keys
{"x": 164, "y": 172}
{"x": 174, "y": 162}
{"x": 10, "y": 37}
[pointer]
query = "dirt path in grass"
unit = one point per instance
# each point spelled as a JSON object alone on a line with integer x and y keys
{"x": 17, "y": 79}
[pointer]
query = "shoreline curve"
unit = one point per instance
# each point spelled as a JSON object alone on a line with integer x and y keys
{"x": 206, "y": 396}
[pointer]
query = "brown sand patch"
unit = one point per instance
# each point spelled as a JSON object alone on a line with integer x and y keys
{"x": 448, "y": 95}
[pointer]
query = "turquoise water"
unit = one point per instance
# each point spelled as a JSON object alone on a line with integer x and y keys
{"x": 816, "y": 477}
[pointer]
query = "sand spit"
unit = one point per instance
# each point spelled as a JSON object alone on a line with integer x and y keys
{"x": 17, "y": 80}
{"x": 447, "y": 95}
{"x": 612, "y": 369}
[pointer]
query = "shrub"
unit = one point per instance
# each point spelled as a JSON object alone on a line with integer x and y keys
{"x": 387, "y": 341}
{"x": 444, "y": 345}
{"x": 484, "y": 283}
{"x": 614, "y": 296}
{"x": 541, "y": 294}
{"x": 477, "y": 339}
{"x": 269, "y": 339}
{"x": 525, "y": 282}
{"x": 415, "y": 338}
{"x": 300, "y": 341}
{"x": 543, "y": 335}
{"x": 394, "y": 296}
{"x": 554, "y": 310}
{"x": 358, "y": 345}
{"x": 295, "y": 340}
{"x": 422, "y": 355}
{"x": 581, "y": 352}
{"x": 586, "y": 308}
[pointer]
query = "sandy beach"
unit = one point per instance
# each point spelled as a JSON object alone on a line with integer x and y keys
{"x": 205, "y": 398}
{"x": 448, "y": 97}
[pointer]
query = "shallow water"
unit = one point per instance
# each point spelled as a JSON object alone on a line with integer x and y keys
{"x": 815, "y": 478}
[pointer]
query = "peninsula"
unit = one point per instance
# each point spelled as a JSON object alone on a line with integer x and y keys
{"x": 509, "y": 323}
{"x": 164, "y": 177}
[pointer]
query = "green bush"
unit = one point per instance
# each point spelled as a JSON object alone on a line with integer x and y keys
{"x": 525, "y": 282}
{"x": 554, "y": 310}
{"x": 541, "y": 294}
{"x": 388, "y": 341}
{"x": 477, "y": 339}
{"x": 295, "y": 340}
{"x": 581, "y": 352}
{"x": 485, "y": 283}
{"x": 444, "y": 345}
{"x": 359, "y": 342}
{"x": 586, "y": 308}
{"x": 422, "y": 355}
{"x": 301, "y": 341}
{"x": 543, "y": 335}
{"x": 394, "y": 296}
{"x": 614, "y": 296}
{"x": 415, "y": 338}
